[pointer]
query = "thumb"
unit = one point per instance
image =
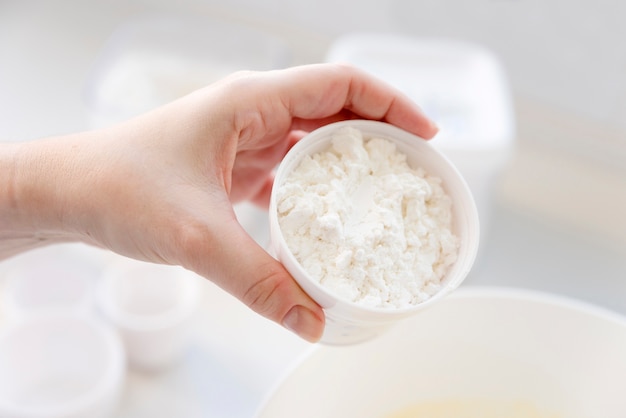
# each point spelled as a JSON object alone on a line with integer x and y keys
{"x": 244, "y": 269}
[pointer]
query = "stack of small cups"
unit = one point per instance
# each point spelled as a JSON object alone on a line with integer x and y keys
{"x": 72, "y": 324}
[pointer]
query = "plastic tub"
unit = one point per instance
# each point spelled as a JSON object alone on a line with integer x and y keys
{"x": 461, "y": 85}
{"x": 151, "y": 60}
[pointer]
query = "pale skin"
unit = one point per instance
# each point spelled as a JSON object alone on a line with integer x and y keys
{"x": 161, "y": 187}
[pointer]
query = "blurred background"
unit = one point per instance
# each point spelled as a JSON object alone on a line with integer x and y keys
{"x": 550, "y": 183}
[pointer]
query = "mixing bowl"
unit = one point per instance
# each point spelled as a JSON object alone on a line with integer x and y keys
{"x": 559, "y": 357}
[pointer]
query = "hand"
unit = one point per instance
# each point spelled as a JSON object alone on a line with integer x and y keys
{"x": 161, "y": 186}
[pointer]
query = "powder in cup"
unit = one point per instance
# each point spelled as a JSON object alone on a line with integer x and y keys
{"x": 366, "y": 225}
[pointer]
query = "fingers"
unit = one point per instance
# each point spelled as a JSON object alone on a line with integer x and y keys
{"x": 241, "y": 267}
{"x": 252, "y": 171}
{"x": 326, "y": 90}
{"x": 262, "y": 196}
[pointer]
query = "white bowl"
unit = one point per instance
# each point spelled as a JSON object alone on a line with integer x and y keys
{"x": 57, "y": 364}
{"x": 565, "y": 357}
{"x": 348, "y": 322}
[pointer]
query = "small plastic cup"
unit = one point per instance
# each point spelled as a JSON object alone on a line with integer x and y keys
{"x": 58, "y": 364}
{"x": 51, "y": 281}
{"x": 348, "y": 322}
{"x": 153, "y": 307}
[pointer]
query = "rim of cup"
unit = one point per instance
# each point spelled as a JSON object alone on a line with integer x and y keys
{"x": 110, "y": 305}
{"x": 419, "y": 152}
{"x": 18, "y": 291}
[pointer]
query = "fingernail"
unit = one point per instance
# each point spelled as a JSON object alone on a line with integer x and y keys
{"x": 434, "y": 128}
{"x": 304, "y": 323}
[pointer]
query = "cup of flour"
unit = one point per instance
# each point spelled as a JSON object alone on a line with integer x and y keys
{"x": 373, "y": 223}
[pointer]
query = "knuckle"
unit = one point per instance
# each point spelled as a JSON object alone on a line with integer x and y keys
{"x": 190, "y": 240}
{"x": 265, "y": 295}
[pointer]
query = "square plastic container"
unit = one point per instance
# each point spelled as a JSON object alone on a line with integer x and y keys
{"x": 152, "y": 60}
{"x": 348, "y": 322}
{"x": 461, "y": 85}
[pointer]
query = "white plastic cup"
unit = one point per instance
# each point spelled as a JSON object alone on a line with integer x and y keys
{"x": 348, "y": 322}
{"x": 50, "y": 281}
{"x": 58, "y": 364}
{"x": 153, "y": 307}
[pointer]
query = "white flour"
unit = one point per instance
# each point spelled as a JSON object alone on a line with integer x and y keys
{"x": 367, "y": 226}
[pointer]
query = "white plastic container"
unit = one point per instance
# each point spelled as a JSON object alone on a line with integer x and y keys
{"x": 348, "y": 322}
{"x": 154, "y": 59}
{"x": 60, "y": 365}
{"x": 153, "y": 307}
{"x": 461, "y": 85}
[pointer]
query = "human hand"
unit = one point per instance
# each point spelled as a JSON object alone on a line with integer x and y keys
{"x": 161, "y": 186}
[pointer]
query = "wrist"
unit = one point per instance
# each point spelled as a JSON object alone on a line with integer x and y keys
{"x": 34, "y": 184}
